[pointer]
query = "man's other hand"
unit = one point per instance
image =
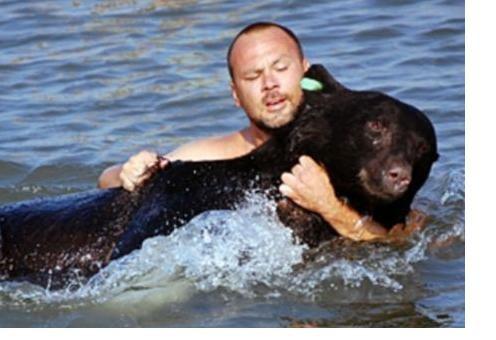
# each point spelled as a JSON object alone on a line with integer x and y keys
{"x": 139, "y": 168}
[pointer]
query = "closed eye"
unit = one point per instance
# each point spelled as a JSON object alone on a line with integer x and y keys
{"x": 252, "y": 76}
{"x": 281, "y": 64}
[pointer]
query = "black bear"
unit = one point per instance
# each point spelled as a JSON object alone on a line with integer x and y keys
{"x": 378, "y": 152}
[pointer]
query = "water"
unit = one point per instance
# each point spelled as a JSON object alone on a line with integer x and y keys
{"x": 85, "y": 84}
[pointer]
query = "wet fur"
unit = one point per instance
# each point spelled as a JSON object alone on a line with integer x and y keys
{"x": 80, "y": 233}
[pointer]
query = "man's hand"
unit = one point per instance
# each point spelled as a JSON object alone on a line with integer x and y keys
{"x": 415, "y": 221}
{"x": 309, "y": 186}
{"x": 139, "y": 168}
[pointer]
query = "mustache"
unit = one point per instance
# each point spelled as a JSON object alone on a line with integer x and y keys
{"x": 275, "y": 95}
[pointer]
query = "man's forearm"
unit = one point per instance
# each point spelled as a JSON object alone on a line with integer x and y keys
{"x": 350, "y": 224}
{"x": 110, "y": 177}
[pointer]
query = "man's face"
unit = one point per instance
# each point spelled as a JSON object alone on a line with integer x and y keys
{"x": 267, "y": 70}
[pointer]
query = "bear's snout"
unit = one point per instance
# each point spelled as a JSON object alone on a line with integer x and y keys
{"x": 397, "y": 178}
{"x": 386, "y": 178}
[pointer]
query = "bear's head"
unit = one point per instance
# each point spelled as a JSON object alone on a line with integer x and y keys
{"x": 377, "y": 150}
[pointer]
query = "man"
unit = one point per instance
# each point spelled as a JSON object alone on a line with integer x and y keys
{"x": 266, "y": 64}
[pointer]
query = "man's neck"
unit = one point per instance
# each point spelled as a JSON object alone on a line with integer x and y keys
{"x": 254, "y": 136}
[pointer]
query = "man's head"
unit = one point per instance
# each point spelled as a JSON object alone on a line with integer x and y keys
{"x": 266, "y": 64}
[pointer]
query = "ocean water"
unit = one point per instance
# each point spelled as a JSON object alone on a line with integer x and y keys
{"x": 86, "y": 84}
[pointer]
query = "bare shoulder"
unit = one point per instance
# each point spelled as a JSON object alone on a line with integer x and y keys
{"x": 212, "y": 148}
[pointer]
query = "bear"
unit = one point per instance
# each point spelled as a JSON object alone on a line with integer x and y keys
{"x": 377, "y": 151}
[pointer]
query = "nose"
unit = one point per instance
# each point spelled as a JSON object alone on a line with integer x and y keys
{"x": 269, "y": 81}
{"x": 398, "y": 177}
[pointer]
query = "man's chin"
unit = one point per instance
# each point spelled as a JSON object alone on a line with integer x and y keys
{"x": 272, "y": 126}
{"x": 280, "y": 119}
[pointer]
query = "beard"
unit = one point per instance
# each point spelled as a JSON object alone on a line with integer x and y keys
{"x": 268, "y": 127}
{"x": 282, "y": 119}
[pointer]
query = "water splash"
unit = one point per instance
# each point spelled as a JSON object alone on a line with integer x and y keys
{"x": 237, "y": 250}
{"x": 447, "y": 204}
{"x": 454, "y": 187}
{"x": 249, "y": 252}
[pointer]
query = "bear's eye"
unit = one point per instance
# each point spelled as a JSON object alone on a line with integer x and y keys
{"x": 376, "y": 126}
{"x": 378, "y": 132}
{"x": 422, "y": 148}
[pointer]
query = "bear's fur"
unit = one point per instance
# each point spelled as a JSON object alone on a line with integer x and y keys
{"x": 358, "y": 136}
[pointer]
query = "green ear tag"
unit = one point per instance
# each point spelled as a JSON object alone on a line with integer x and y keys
{"x": 311, "y": 84}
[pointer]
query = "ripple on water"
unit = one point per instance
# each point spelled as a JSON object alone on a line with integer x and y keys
{"x": 104, "y": 79}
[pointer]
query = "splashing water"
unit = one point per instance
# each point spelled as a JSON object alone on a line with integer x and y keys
{"x": 247, "y": 251}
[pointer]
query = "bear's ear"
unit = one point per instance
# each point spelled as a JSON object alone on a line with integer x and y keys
{"x": 319, "y": 72}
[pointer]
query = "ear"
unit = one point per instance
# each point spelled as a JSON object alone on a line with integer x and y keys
{"x": 306, "y": 64}
{"x": 318, "y": 72}
{"x": 234, "y": 94}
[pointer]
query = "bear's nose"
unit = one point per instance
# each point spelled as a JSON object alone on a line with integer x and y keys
{"x": 398, "y": 177}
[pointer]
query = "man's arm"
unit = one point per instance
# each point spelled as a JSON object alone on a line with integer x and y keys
{"x": 308, "y": 186}
{"x": 139, "y": 167}
{"x": 132, "y": 173}
{"x": 109, "y": 178}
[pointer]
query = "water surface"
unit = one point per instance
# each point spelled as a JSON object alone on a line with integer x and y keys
{"x": 85, "y": 84}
